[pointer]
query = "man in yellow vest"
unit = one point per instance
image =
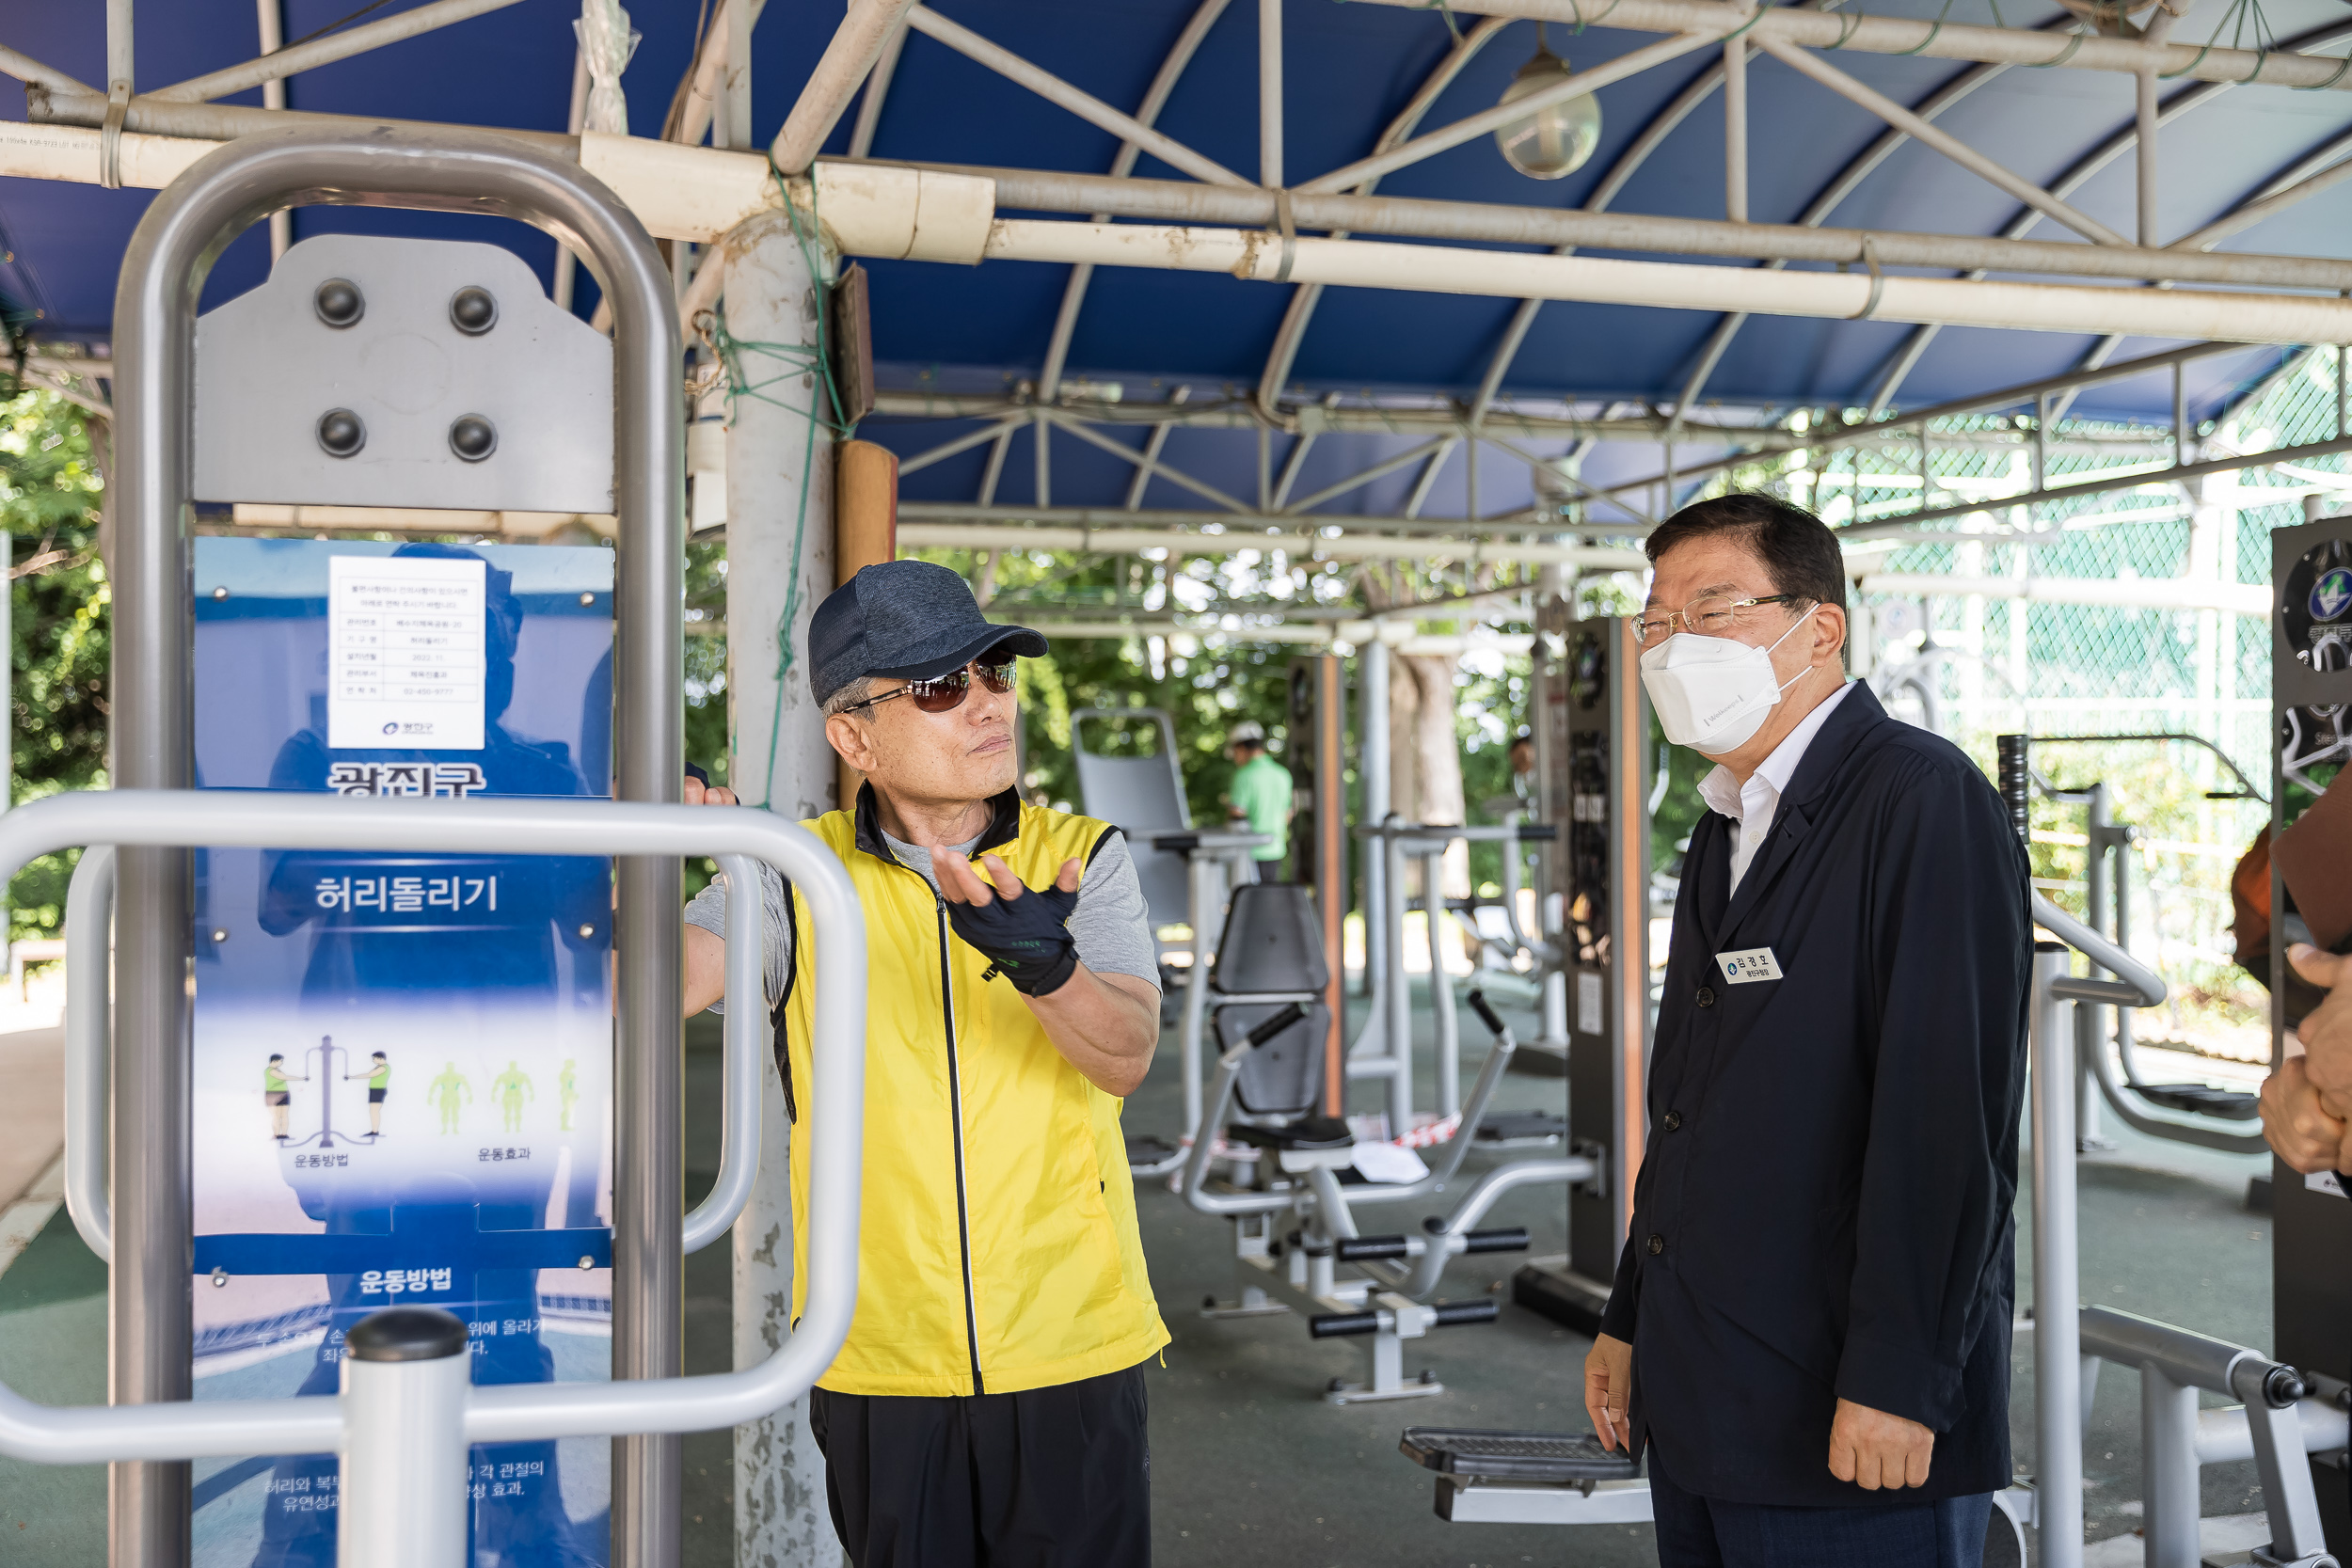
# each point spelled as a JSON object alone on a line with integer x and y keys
{"x": 989, "y": 1403}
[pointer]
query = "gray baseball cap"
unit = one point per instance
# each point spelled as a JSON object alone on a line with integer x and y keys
{"x": 909, "y": 620}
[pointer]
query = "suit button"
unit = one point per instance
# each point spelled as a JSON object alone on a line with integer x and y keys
{"x": 1657, "y": 1246}
{"x": 1673, "y": 1120}
{"x": 1706, "y": 996}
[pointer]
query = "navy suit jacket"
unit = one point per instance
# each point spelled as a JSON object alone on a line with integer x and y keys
{"x": 1824, "y": 1208}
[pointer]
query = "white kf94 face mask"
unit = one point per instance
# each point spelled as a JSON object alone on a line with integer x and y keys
{"x": 1712, "y": 694}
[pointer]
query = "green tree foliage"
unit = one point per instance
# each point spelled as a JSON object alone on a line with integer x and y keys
{"x": 49, "y": 501}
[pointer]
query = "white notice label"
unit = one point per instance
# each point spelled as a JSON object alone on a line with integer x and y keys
{"x": 2324, "y": 1181}
{"x": 405, "y": 668}
{"x": 1588, "y": 1008}
{"x": 1749, "y": 963}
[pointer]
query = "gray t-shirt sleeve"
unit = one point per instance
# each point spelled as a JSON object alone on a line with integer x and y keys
{"x": 708, "y": 910}
{"x": 1111, "y": 924}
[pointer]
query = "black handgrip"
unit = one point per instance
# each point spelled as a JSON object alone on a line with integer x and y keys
{"x": 695, "y": 771}
{"x": 1332, "y": 1326}
{"x": 1275, "y": 1025}
{"x": 1485, "y": 1013}
{"x": 1348, "y": 1249}
{"x": 1183, "y": 844}
{"x": 1481, "y": 1311}
{"x": 2016, "y": 780}
{"x": 1507, "y": 1239}
{"x": 1537, "y": 832}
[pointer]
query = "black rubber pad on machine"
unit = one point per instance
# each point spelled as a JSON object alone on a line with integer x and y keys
{"x": 1541, "y": 1456}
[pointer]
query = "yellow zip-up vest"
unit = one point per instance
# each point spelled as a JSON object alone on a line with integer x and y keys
{"x": 997, "y": 1247}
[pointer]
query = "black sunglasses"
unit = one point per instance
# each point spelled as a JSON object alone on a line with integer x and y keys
{"x": 945, "y": 693}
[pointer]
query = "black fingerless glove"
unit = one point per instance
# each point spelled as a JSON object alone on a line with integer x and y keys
{"x": 1027, "y": 938}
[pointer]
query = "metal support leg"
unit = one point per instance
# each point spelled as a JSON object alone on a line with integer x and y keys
{"x": 2167, "y": 1435}
{"x": 2057, "y": 1278}
{"x": 2296, "y": 1539}
{"x": 1371, "y": 765}
{"x": 1441, "y": 987}
{"x": 1397, "y": 1022}
{"x": 1204, "y": 872}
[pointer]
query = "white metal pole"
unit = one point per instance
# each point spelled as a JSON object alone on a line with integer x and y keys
{"x": 779, "y": 534}
{"x": 1372, "y": 768}
{"x": 1441, "y": 987}
{"x": 271, "y": 15}
{"x": 120, "y": 50}
{"x": 1397, "y": 1032}
{"x": 1270, "y": 94}
{"x": 735, "y": 103}
{"x": 2057, "y": 1275}
{"x": 1205, "y": 872}
{"x": 1736, "y": 130}
{"x": 403, "y": 1490}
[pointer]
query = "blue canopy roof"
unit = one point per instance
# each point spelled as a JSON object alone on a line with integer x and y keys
{"x": 1350, "y": 69}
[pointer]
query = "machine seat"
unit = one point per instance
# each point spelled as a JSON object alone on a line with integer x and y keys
{"x": 2202, "y": 1099}
{"x": 1529, "y": 1456}
{"x": 1305, "y": 1134}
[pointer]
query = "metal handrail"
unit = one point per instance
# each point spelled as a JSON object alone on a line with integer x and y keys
{"x": 88, "y": 1035}
{"x": 89, "y": 906}
{"x": 2140, "y": 986}
{"x": 513, "y": 1413}
{"x": 2246, "y": 784}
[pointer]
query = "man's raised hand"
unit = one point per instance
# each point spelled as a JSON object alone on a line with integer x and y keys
{"x": 1024, "y": 931}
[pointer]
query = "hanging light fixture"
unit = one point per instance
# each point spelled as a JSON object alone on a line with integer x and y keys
{"x": 1556, "y": 139}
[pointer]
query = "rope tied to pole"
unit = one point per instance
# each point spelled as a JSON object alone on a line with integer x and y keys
{"x": 812, "y": 365}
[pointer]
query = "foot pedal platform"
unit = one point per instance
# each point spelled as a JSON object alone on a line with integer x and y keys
{"x": 1145, "y": 1150}
{"x": 1518, "y": 1128}
{"x": 2203, "y": 1100}
{"x": 1523, "y": 1456}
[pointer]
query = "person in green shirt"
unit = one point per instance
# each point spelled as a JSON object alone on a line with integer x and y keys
{"x": 1259, "y": 796}
{"x": 566, "y": 1096}
{"x": 276, "y": 1096}
{"x": 378, "y": 1072}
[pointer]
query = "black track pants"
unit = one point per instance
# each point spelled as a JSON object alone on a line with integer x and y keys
{"x": 1050, "y": 1478}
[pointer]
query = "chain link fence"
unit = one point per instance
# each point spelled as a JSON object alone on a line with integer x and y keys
{"x": 1969, "y": 653}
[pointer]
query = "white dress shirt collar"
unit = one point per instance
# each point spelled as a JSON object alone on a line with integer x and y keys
{"x": 1753, "y": 805}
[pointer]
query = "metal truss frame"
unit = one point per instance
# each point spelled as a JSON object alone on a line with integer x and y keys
{"x": 1342, "y": 202}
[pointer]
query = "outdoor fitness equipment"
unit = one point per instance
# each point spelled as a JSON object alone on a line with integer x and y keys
{"x": 1295, "y": 1222}
{"x": 408, "y": 1411}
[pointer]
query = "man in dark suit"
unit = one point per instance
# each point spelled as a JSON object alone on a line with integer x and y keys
{"x": 1809, "y": 1330}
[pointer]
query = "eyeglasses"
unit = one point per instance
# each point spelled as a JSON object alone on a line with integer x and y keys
{"x": 945, "y": 693}
{"x": 1712, "y": 616}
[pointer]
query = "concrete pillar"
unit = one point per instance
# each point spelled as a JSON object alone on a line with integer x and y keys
{"x": 778, "y": 758}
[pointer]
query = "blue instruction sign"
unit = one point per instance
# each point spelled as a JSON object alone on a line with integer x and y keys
{"x": 403, "y": 1063}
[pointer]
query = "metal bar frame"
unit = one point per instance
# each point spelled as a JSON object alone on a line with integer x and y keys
{"x": 1931, "y": 38}
{"x": 146, "y": 821}
{"x": 154, "y": 340}
{"x": 847, "y": 57}
{"x": 274, "y": 65}
{"x": 1087, "y": 108}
